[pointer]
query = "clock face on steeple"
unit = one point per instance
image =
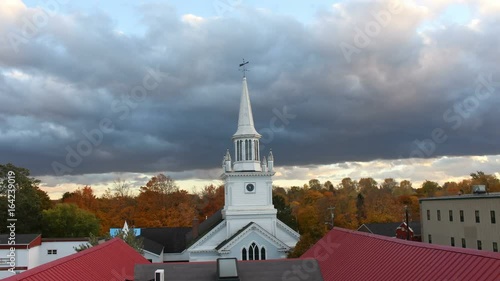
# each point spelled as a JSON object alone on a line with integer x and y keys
{"x": 250, "y": 188}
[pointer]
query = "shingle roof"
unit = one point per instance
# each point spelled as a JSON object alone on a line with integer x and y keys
{"x": 351, "y": 255}
{"x": 21, "y": 239}
{"x": 233, "y": 236}
{"x": 151, "y": 246}
{"x": 173, "y": 239}
{"x": 268, "y": 270}
{"x": 112, "y": 260}
{"x": 205, "y": 227}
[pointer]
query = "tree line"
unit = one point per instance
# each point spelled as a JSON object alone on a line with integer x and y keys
{"x": 161, "y": 203}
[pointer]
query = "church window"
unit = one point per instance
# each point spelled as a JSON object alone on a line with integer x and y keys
{"x": 246, "y": 149}
{"x": 250, "y": 149}
{"x": 244, "y": 254}
{"x": 255, "y": 146}
{"x": 263, "y": 253}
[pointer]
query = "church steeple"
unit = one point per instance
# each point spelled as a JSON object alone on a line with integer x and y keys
{"x": 246, "y": 138}
{"x": 245, "y": 118}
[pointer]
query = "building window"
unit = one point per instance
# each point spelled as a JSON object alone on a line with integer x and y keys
{"x": 52, "y": 252}
{"x": 430, "y": 239}
{"x": 493, "y": 219}
{"x": 477, "y": 216}
{"x": 495, "y": 247}
{"x": 463, "y": 243}
{"x": 428, "y": 215}
{"x": 452, "y": 242}
{"x": 244, "y": 254}
{"x": 462, "y": 215}
{"x": 253, "y": 253}
{"x": 451, "y": 215}
{"x": 479, "y": 245}
{"x": 439, "y": 215}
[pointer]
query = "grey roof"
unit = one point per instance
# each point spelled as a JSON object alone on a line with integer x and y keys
{"x": 173, "y": 239}
{"x": 233, "y": 236}
{"x": 151, "y": 246}
{"x": 464, "y": 197}
{"x": 271, "y": 270}
{"x": 21, "y": 239}
{"x": 205, "y": 227}
{"x": 388, "y": 229}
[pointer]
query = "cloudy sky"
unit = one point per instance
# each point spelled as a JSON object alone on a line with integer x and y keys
{"x": 127, "y": 89}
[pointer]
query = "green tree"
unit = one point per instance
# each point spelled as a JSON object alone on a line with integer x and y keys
{"x": 67, "y": 220}
{"x": 128, "y": 236}
{"x": 30, "y": 200}
{"x": 284, "y": 211}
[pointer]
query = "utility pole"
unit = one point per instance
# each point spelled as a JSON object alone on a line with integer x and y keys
{"x": 332, "y": 216}
{"x": 407, "y": 223}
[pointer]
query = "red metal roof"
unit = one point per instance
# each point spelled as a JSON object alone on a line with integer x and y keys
{"x": 113, "y": 260}
{"x": 350, "y": 255}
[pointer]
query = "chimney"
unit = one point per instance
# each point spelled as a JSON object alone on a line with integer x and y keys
{"x": 195, "y": 227}
{"x": 159, "y": 275}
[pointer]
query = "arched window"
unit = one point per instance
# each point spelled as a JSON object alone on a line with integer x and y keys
{"x": 250, "y": 252}
{"x": 244, "y": 254}
{"x": 253, "y": 252}
{"x": 263, "y": 253}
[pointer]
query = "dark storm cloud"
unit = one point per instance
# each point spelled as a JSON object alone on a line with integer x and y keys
{"x": 79, "y": 70}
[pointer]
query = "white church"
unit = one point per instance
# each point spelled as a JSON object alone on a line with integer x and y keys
{"x": 247, "y": 227}
{"x": 250, "y": 229}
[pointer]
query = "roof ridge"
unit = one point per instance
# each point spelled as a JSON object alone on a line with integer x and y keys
{"x": 45, "y": 266}
{"x": 425, "y": 245}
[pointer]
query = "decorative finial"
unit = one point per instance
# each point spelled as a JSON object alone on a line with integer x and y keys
{"x": 243, "y": 68}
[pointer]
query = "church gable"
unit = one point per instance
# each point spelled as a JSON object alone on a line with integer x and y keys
{"x": 253, "y": 242}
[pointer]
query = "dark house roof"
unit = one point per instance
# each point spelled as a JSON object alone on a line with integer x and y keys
{"x": 21, "y": 239}
{"x": 151, "y": 246}
{"x": 205, "y": 227}
{"x": 268, "y": 270}
{"x": 388, "y": 229}
{"x": 112, "y": 260}
{"x": 233, "y": 236}
{"x": 173, "y": 239}
{"x": 352, "y": 255}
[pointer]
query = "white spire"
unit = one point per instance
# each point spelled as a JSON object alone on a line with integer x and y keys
{"x": 245, "y": 119}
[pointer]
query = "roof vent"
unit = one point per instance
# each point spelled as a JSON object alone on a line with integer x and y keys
{"x": 160, "y": 275}
{"x": 227, "y": 269}
{"x": 479, "y": 189}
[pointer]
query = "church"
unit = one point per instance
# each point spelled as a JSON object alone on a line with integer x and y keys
{"x": 249, "y": 229}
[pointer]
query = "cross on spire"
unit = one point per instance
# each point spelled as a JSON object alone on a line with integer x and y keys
{"x": 243, "y": 67}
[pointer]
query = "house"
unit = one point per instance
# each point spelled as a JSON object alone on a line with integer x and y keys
{"x": 353, "y": 255}
{"x": 467, "y": 221}
{"x": 113, "y": 260}
{"x": 393, "y": 229}
{"x": 31, "y": 250}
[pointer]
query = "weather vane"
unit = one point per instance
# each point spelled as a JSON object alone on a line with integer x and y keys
{"x": 243, "y": 67}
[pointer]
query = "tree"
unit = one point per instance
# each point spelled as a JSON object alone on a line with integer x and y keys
{"x": 67, "y": 220}
{"x": 491, "y": 182}
{"x": 128, "y": 237}
{"x": 284, "y": 211}
{"x": 30, "y": 200}
{"x": 428, "y": 189}
{"x": 315, "y": 184}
